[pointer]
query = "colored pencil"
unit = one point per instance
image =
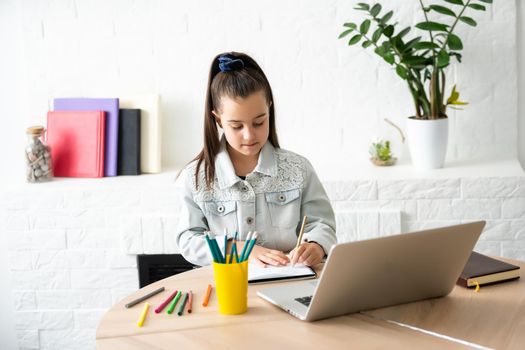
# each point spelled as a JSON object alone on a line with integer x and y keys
{"x": 143, "y": 315}
{"x": 250, "y": 248}
{"x": 171, "y": 307}
{"x": 190, "y": 301}
{"x": 183, "y": 304}
{"x": 225, "y": 242}
{"x": 246, "y": 244}
{"x": 215, "y": 245}
{"x": 142, "y": 298}
{"x": 207, "y": 296}
{"x": 212, "y": 249}
{"x": 165, "y": 302}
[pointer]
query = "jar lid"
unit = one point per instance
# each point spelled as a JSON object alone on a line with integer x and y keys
{"x": 35, "y": 130}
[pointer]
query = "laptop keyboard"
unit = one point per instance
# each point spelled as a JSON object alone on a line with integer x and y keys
{"x": 304, "y": 300}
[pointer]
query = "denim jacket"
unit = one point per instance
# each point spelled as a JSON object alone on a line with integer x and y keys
{"x": 272, "y": 200}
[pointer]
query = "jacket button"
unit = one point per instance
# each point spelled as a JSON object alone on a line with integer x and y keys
{"x": 244, "y": 188}
{"x": 220, "y": 208}
{"x": 249, "y": 220}
{"x": 281, "y": 198}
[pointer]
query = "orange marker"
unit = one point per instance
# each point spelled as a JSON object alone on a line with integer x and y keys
{"x": 190, "y": 300}
{"x": 207, "y": 296}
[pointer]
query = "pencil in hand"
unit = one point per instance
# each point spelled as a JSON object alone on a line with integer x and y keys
{"x": 299, "y": 241}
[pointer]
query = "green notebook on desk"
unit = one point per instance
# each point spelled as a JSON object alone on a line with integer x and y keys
{"x": 486, "y": 270}
{"x": 257, "y": 274}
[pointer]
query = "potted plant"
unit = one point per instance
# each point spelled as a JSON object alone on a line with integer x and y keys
{"x": 420, "y": 61}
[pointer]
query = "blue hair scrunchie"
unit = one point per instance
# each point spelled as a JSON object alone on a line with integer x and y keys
{"x": 228, "y": 64}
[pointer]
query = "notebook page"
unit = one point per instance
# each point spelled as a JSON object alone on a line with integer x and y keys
{"x": 256, "y": 272}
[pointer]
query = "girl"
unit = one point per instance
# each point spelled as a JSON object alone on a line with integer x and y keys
{"x": 244, "y": 182}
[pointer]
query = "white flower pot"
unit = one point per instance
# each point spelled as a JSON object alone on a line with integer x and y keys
{"x": 427, "y": 142}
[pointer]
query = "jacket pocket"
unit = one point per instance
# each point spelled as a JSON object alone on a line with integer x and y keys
{"x": 221, "y": 215}
{"x": 284, "y": 208}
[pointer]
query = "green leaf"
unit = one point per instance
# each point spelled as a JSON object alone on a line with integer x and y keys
{"x": 415, "y": 61}
{"x": 387, "y": 17}
{"x": 389, "y": 57}
{"x": 403, "y": 32}
{"x": 468, "y": 21}
{"x": 486, "y": 1}
{"x": 443, "y": 58}
{"x": 350, "y": 25}
{"x": 374, "y": 11}
{"x": 362, "y": 6}
{"x": 365, "y": 26}
{"x": 411, "y": 43}
{"x": 454, "y": 42}
{"x": 477, "y": 7}
{"x": 389, "y": 30}
{"x": 432, "y": 26}
{"x": 443, "y": 10}
{"x": 402, "y": 72}
{"x": 457, "y": 55}
{"x": 380, "y": 50}
{"x": 425, "y": 45}
{"x": 377, "y": 34}
{"x": 398, "y": 43}
{"x": 355, "y": 39}
{"x": 455, "y": 2}
{"x": 367, "y": 43}
{"x": 345, "y": 33}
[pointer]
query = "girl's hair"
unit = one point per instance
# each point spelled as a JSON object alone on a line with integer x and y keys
{"x": 241, "y": 80}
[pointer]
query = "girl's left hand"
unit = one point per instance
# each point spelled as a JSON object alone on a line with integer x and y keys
{"x": 308, "y": 254}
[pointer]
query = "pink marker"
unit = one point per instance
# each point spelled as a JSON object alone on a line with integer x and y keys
{"x": 165, "y": 302}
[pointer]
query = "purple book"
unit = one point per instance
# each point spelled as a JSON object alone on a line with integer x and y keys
{"x": 108, "y": 105}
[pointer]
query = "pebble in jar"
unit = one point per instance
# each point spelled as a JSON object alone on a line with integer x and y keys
{"x": 38, "y": 156}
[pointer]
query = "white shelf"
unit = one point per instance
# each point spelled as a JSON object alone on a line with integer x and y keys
{"x": 405, "y": 170}
{"x": 345, "y": 172}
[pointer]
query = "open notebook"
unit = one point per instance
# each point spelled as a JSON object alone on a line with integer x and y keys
{"x": 257, "y": 274}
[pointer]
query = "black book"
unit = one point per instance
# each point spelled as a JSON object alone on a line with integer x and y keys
{"x": 486, "y": 270}
{"x": 129, "y": 142}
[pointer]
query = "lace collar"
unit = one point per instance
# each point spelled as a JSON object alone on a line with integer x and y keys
{"x": 225, "y": 171}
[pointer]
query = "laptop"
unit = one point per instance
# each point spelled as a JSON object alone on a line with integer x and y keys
{"x": 381, "y": 272}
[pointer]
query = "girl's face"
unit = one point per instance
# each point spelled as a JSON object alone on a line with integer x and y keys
{"x": 246, "y": 122}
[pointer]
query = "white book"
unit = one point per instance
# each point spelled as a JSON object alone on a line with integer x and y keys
{"x": 150, "y": 130}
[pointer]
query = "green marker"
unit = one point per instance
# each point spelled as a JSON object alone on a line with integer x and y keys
{"x": 183, "y": 304}
{"x": 171, "y": 307}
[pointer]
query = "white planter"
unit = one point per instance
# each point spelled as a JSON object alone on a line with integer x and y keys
{"x": 427, "y": 142}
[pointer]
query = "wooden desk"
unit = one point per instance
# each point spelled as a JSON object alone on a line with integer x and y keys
{"x": 494, "y": 317}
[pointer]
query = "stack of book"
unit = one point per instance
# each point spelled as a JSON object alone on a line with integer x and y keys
{"x": 96, "y": 137}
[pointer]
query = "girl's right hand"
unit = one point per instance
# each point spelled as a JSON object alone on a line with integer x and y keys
{"x": 263, "y": 256}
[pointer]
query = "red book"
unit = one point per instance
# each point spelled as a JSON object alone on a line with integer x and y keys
{"x": 76, "y": 139}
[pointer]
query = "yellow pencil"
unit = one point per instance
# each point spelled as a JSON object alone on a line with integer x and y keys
{"x": 143, "y": 315}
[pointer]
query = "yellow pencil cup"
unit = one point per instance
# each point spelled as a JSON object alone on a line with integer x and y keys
{"x": 231, "y": 285}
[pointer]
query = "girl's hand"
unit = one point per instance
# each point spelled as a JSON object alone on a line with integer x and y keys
{"x": 263, "y": 256}
{"x": 308, "y": 254}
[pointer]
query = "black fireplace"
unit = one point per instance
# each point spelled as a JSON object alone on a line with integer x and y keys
{"x": 153, "y": 268}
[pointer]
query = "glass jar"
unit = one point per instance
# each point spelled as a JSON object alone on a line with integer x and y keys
{"x": 38, "y": 156}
